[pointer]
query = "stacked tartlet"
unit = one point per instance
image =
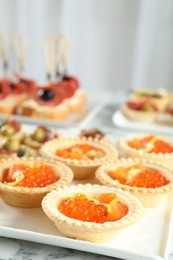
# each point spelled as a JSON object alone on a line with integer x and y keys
{"x": 148, "y": 181}
{"x": 25, "y": 181}
{"x": 83, "y": 155}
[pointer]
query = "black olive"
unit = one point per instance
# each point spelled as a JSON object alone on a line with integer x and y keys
{"x": 65, "y": 78}
{"x": 46, "y": 94}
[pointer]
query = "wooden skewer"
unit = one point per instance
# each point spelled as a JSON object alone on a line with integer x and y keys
{"x": 3, "y": 53}
{"x": 65, "y": 53}
{"x": 48, "y": 51}
{"x": 20, "y": 46}
{"x": 61, "y": 44}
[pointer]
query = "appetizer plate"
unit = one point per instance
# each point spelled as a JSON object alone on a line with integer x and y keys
{"x": 91, "y": 108}
{"x": 147, "y": 239}
{"x": 121, "y": 121}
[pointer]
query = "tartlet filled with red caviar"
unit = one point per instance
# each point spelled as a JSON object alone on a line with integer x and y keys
{"x": 83, "y": 155}
{"x": 99, "y": 212}
{"x": 149, "y": 146}
{"x": 148, "y": 181}
{"x": 25, "y": 181}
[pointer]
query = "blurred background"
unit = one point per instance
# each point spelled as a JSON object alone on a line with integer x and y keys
{"x": 114, "y": 44}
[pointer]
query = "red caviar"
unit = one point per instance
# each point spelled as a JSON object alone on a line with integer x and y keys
{"x": 81, "y": 152}
{"x": 139, "y": 176}
{"x": 30, "y": 175}
{"x": 158, "y": 146}
{"x": 92, "y": 210}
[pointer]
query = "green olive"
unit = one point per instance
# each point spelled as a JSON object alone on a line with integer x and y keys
{"x": 12, "y": 145}
{"x": 39, "y": 135}
{"x": 7, "y": 130}
{"x": 3, "y": 156}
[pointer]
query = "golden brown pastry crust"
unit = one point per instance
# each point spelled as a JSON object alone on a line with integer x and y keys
{"x": 148, "y": 196}
{"x": 139, "y": 116}
{"x": 90, "y": 231}
{"x": 31, "y": 197}
{"x": 165, "y": 159}
{"x": 83, "y": 169}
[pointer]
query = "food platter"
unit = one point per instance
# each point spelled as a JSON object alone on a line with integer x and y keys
{"x": 91, "y": 108}
{"x": 121, "y": 121}
{"x": 148, "y": 239}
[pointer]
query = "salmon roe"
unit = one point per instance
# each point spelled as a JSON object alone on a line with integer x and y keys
{"x": 30, "y": 175}
{"x": 157, "y": 145}
{"x": 139, "y": 176}
{"x": 79, "y": 207}
{"x": 81, "y": 152}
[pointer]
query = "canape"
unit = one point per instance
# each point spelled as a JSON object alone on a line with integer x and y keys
{"x": 25, "y": 181}
{"x": 83, "y": 155}
{"x": 141, "y": 111}
{"x": 99, "y": 212}
{"x": 160, "y": 97}
{"x": 149, "y": 182}
{"x": 149, "y": 146}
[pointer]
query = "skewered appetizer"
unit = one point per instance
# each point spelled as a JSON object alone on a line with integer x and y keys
{"x": 55, "y": 101}
{"x": 98, "y": 212}
{"x": 149, "y": 146}
{"x": 82, "y": 155}
{"x": 149, "y": 182}
{"x": 13, "y": 93}
{"x": 25, "y": 181}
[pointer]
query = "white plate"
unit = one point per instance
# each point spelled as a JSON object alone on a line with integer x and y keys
{"x": 121, "y": 121}
{"x": 148, "y": 239}
{"x": 92, "y": 107}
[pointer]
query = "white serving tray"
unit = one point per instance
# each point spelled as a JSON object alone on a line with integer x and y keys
{"x": 92, "y": 107}
{"x": 147, "y": 239}
{"x": 120, "y": 120}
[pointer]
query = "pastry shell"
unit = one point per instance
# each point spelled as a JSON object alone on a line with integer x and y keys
{"x": 82, "y": 169}
{"x": 149, "y": 197}
{"x": 162, "y": 101}
{"x": 139, "y": 116}
{"x": 90, "y": 231}
{"x": 165, "y": 159}
{"x": 31, "y": 197}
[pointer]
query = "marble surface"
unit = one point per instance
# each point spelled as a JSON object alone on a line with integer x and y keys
{"x": 14, "y": 249}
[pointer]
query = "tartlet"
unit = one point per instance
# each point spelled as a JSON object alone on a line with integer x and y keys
{"x": 18, "y": 190}
{"x": 146, "y": 116}
{"x": 82, "y": 168}
{"x": 85, "y": 230}
{"x": 160, "y": 97}
{"x": 147, "y": 181}
{"x": 149, "y": 148}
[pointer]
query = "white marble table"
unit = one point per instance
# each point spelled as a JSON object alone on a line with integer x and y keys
{"x": 14, "y": 249}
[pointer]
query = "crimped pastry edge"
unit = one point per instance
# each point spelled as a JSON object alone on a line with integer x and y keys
{"x": 85, "y": 230}
{"x": 50, "y": 147}
{"x": 24, "y": 196}
{"x": 148, "y": 196}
